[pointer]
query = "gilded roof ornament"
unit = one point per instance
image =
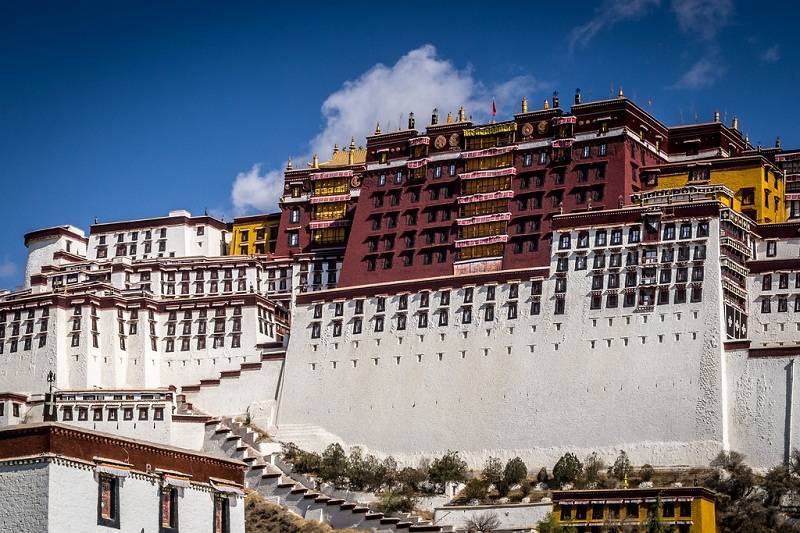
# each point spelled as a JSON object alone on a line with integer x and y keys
{"x": 546, "y": 104}
{"x": 335, "y": 147}
{"x": 289, "y": 164}
{"x": 377, "y": 128}
{"x": 352, "y": 143}
{"x": 462, "y": 115}
{"x": 449, "y": 117}
{"x": 524, "y": 104}
{"x": 620, "y": 94}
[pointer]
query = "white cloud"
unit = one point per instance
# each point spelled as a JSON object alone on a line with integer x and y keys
{"x": 419, "y": 81}
{"x": 8, "y": 269}
{"x": 771, "y": 54}
{"x": 253, "y": 190}
{"x": 609, "y": 13}
{"x": 702, "y": 74}
{"x": 703, "y": 18}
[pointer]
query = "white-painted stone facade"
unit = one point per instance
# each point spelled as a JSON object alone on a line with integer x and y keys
{"x": 48, "y": 492}
{"x": 524, "y": 374}
{"x": 177, "y": 235}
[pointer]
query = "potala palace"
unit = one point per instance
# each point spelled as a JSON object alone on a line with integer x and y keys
{"x": 580, "y": 278}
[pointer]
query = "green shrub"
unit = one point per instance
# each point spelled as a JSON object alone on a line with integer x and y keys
{"x": 568, "y": 469}
{"x": 475, "y": 489}
{"x": 646, "y": 472}
{"x": 448, "y": 468}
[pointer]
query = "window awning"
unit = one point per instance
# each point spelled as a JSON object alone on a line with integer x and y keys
{"x": 227, "y": 489}
{"x": 112, "y": 467}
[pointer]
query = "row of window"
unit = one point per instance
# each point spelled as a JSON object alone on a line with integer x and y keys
{"x": 199, "y": 287}
{"x": 646, "y": 297}
{"x": 401, "y": 319}
{"x": 783, "y": 281}
{"x": 424, "y": 299}
{"x": 634, "y": 235}
{"x": 632, "y": 258}
{"x": 668, "y": 510}
{"x": 781, "y": 304}
{"x": 81, "y": 414}
{"x": 27, "y": 343}
{"x": 30, "y": 314}
{"x": 109, "y": 511}
{"x": 648, "y": 277}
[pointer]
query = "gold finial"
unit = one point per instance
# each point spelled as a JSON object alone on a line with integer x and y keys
{"x": 315, "y": 161}
{"x": 335, "y": 148}
{"x": 462, "y": 115}
{"x": 449, "y": 117}
{"x": 620, "y": 94}
{"x": 289, "y": 164}
{"x": 524, "y": 104}
{"x": 378, "y": 128}
{"x": 625, "y": 481}
{"x": 546, "y": 104}
{"x": 352, "y": 143}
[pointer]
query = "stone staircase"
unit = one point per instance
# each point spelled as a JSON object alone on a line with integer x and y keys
{"x": 233, "y": 392}
{"x": 271, "y": 478}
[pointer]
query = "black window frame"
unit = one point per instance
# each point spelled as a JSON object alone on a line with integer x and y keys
{"x": 113, "y": 521}
{"x": 173, "y": 508}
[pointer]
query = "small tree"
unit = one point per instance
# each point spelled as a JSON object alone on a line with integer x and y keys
{"x": 542, "y": 476}
{"x": 550, "y": 525}
{"x": 394, "y": 502}
{"x": 410, "y": 478}
{"x": 594, "y": 466}
{"x": 475, "y": 489}
{"x": 448, "y": 468}
{"x": 484, "y": 523}
{"x": 646, "y": 472}
{"x": 514, "y": 472}
{"x": 567, "y": 469}
{"x": 621, "y": 467}
{"x": 654, "y": 523}
{"x": 492, "y": 471}
{"x": 334, "y": 465}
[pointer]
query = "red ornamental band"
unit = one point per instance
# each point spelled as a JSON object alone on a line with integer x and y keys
{"x": 333, "y": 174}
{"x": 419, "y": 140}
{"x": 563, "y": 143}
{"x": 322, "y": 224}
{"x": 488, "y": 152}
{"x": 478, "y": 174}
{"x": 481, "y": 241}
{"x": 417, "y": 164}
{"x": 557, "y": 121}
{"x": 483, "y": 197}
{"x": 328, "y": 199}
{"x": 497, "y": 217}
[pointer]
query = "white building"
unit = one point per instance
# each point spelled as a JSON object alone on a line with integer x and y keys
{"x": 635, "y": 338}
{"x": 56, "y": 478}
{"x": 177, "y": 235}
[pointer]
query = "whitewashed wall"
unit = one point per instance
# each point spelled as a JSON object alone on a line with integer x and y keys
{"x": 522, "y": 516}
{"x": 24, "y": 501}
{"x": 73, "y": 504}
{"x": 536, "y": 387}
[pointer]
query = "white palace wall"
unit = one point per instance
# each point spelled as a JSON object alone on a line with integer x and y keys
{"x": 648, "y": 382}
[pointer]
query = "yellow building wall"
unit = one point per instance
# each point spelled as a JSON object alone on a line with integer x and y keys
{"x": 252, "y": 228}
{"x": 737, "y": 180}
{"x": 703, "y": 516}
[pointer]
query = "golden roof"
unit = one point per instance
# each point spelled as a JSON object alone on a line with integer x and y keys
{"x": 341, "y": 158}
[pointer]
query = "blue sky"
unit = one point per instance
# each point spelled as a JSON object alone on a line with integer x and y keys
{"x": 126, "y": 110}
